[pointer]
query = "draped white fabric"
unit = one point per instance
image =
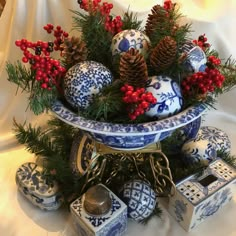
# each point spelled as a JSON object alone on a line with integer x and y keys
{"x": 25, "y": 19}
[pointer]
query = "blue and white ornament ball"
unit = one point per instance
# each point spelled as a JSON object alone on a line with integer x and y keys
{"x": 83, "y": 81}
{"x": 130, "y": 38}
{"x": 140, "y": 199}
{"x": 205, "y": 145}
{"x": 195, "y": 58}
{"x": 168, "y": 95}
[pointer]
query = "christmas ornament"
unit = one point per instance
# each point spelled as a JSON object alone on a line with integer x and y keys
{"x": 36, "y": 188}
{"x": 127, "y": 39}
{"x": 198, "y": 150}
{"x": 83, "y": 81}
{"x": 99, "y": 212}
{"x": 140, "y": 199}
{"x": 194, "y": 58}
{"x": 168, "y": 96}
{"x": 164, "y": 54}
{"x": 217, "y": 137}
{"x": 133, "y": 68}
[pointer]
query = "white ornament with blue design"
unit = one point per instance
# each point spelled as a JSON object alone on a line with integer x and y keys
{"x": 205, "y": 145}
{"x": 194, "y": 58}
{"x": 130, "y": 38}
{"x": 83, "y": 81}
{"x": 140, "y": 199}
{"x": 168, "y": 95}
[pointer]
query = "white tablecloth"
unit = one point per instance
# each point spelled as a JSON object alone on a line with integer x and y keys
{"x": 25, "y": 19}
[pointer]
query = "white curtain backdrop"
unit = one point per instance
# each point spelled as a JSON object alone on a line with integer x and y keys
{"x": 25, "y": 19}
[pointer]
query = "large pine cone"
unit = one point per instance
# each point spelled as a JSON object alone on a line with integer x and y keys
{"x": 74, "y": 50}
{"x": 164, "y": 54}
{"x": 133, "y": 68}
{"x": 155, "y": 19}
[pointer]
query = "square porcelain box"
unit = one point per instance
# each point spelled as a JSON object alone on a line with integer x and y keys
{"x": 200, "y": 196}
{"x": 113, "y": 222}
{"x": 39, "y": 191}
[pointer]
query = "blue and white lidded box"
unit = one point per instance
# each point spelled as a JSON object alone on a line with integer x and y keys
{"x": 198, "y": 197}
{"x": 99, "y": 212}
{"x": 36, "y": 188}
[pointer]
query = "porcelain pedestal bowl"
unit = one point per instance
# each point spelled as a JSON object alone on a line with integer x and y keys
{"x": 131, "y": 136}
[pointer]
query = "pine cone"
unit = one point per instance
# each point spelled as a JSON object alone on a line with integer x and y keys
{"x": 164, "y": 54}
{"x": 133, "y": 68}
{"x": 155, "y": 19}
{"x": 74, "y": 50}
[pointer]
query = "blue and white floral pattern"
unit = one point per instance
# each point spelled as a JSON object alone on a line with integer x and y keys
{"x": 113, "y": 222}
{"x": 32, "y": 184}
{"x": 140, "y": 199}
{"x": 180, "y": 209}
{"x": 83, "y": 81}
{"x": 130, "y": 38}
{"x": 212, "y": 206}
{"x": 196, "y": 58}
{"x": 125, "y": 136}
{"x": 168, "y": 95}
{"x": 218, "y": 138}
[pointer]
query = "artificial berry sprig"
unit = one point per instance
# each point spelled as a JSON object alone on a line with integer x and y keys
{"x": 202, "y": 42}
{"x": 59, "y": 34}
{"x": 213, "y": 61}
{"x": 202, "y": 82}
{"x": 168, "y": 5}
{"x": 138, "y": 99}
{"x": 112, "y": 25}
{"x": 37, "y": 54}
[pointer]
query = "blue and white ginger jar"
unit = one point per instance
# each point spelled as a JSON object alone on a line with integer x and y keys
{"x": 130, "y": 38}
{"x": 83, "y": 81}
{"x": 168, "y": 95}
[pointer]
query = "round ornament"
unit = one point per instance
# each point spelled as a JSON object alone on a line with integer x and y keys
{"x": 195, "y": 151}
{"x": 131, "y": 38}
{"x": 195, "y": 58}
{"x": 168, "y": 95}
{"x": 139, "y": 198}
{"x": 83, "y": 81}
{"x": 218, "y": 138}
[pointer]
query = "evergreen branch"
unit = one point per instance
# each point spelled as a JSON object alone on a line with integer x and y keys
{"x": 20, "y": 75}
{"x": 35, "y": 139}
{"x": 130, "y": 21}
{"x": 94, "y": 34}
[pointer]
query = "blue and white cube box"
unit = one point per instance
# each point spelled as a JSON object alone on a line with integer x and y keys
{"x": 198, "y": 197}
{"x": 41, "y": 192}
{"x": 114, "y": 222}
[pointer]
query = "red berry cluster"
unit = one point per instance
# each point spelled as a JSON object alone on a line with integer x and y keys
{"x": 59, "y": 35}
{"x": 139, "y": 99}
{"x": 47, "y": 70}
{"x": 168, "y": 5}
{"x": 113, "y": 25}
{"x": 202, "y": 82}
{"x": 214, "y": 60}
{"x": 202, "y": 42}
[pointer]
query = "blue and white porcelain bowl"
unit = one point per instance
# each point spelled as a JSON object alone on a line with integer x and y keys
{"x": 128, "y": 136}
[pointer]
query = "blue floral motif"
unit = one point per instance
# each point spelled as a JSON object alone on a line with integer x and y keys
{"x": 180, "y": 209}
{"x": 149, "y": 132}
{"x": 212, "y": 206}
{"x": 97, "y": 221}
{"x": 115, "y": 205}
